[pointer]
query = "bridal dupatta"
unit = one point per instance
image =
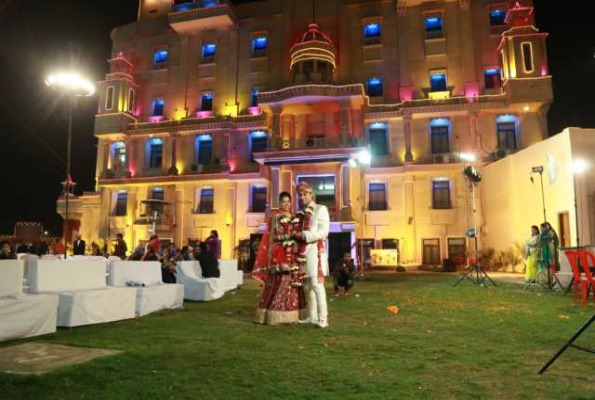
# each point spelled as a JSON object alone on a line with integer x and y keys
{"x": 263, "y": 256}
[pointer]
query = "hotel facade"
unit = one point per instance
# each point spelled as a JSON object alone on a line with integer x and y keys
{"x": 214, "y": 108}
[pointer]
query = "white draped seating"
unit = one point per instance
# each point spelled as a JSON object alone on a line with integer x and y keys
{"x": 229, "y": 274}
{"x": 23, "y": 315}
{"x": 196, "y": 287}
{"x": 84, "y": 295}
{"x": 154, "y": 295}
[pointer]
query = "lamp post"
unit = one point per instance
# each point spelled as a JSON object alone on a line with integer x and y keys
{"x": 71, "y": 85}
{"x": 578, "y": 168}
{"x": 364, "y": 158}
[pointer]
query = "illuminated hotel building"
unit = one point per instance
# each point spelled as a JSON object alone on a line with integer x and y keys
{"x": 217, "y": 107}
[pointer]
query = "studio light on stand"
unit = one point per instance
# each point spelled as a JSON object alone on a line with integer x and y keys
{"x": 363, "y": 160}
{"x": 475, "y": 272}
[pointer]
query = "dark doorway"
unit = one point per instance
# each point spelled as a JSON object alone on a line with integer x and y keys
{"x": 457, "y": 251}
{"x": 338, "y": 243}
{"x": 431, "y": 252}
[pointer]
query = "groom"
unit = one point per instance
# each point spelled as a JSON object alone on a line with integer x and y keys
{"x": 314, "y": 232}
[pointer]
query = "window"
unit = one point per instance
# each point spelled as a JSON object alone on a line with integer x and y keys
{"x": 119, "y": 156}
{"x": 205, "y": 149}
{"x": 158, "y": 107}
{"x": 527, "y": 49}
{"x": 205, "y": 205}
{"x": 323, "y": 188}
{"x": 259, "y": 46}
{"x": 155, "y": 153}
{"x": 259, "y": 141}
{"x": 206, "y": 102}
{"x": 372, "y": 33}
{"x": 498, "y": 17}
{"x": 434, "y": 26}
{"x": 457, "y": 250}
{"x": 506, "y": 135}
{"x": 208, "y": 52}
{"x": 121, "y": 202}
{"x": 378, "y": 139}
{"x": 439, "y": 135}
{"x": 438, "y": 81}
{"x": 209, "y": 3}
{"x": 160, "y": 58}
{"x": 431, "y": 251}
{"x": 109, "y": 98}
{"x": 375, "y": 87}
{"x": 492, "y": 78}
{"x": 183, "y": 5}
{"x": 259, "y": 198}
{"x": 377, "y": 196}
{"x": 131, "y": 99}
{"x": 441, "y": 194}
{"x": 390, "y": 244}
{"x": 254, "y": 98}
{"x": 158, "y": 193}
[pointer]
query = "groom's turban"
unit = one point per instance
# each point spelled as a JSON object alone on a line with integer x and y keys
{"x": 305, "y": 186}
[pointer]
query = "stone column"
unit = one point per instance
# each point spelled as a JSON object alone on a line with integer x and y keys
{"x": 473, "y": 118}
{"x": 346, "y": 185}
{"x": 276, "y": 124}
{"x": 106, "y": 156}
{"x": 173, "y": 169}
{"x": 345, "y": 122}
{"x": 407, "y": 132}
{"x": 275, "y": 181}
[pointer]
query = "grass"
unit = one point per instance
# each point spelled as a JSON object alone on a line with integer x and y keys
{"x": 445, "y": 343}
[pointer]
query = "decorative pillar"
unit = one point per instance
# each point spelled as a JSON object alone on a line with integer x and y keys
{"x": 173, "y": 169}
{"x": 407, "y": 131}
{"x": 106, "y": 156}
{"x": 346, "y": 185}
{"x": 276, "y": 123}
{"x": 275, "y": 180}
{"x": 345, "y": 122}
{"x": 473, "y": 138}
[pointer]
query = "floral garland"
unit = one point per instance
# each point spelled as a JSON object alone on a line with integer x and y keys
{"x": 301, "y": 223}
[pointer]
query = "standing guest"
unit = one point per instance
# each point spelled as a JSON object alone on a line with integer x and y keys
{"x": 531, "y": 253}
{"x": 214, "y": 244}
{"x": 42, "y": 249}
{"x": 168, "y": 267}
{"x": 6, "y": 251}
{"x": 196, "y": 251}
{"x": 95, "y": 249}
{"x": 343, "y": 274}
{"x": 208, "y": 263}
{"x": 58, "y": 247}
{"x": 22, "y": 248}
{"x": 120, "y": 249}
{"x": 153, "y": 248}
{"x": 186, "y": 254}
{"x": 137, "y": 254}
{"x": 548, "y": 248}
{"x": 79, "y": 246}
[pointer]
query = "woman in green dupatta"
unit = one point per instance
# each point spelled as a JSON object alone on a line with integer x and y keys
{"x": 549, "y": 248}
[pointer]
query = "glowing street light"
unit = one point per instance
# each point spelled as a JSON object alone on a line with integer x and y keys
{"x": 579, "y": 166}
{"x": 468, "y": 157}
{"x": 72, "y": 85}
{"x": 364, "y": 157}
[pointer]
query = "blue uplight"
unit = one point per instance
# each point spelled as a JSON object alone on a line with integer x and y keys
{"x": 440, "y": 122}
{"x": 204, "y": 138}
{"x": 158, "y": 107}
{"x": 260, "y": 43}
{"x": 506, "y": 118}
{"x": 372, "y": 30}
{"x": 497, "y": 17}
{"x": 374, "y": 87}
{"x": 258, "y": 134}
{"x": 492, "y": 71}
{"x": 378, "y": 125}
{"x": 438, "y": 82}
{"x": 185, "y": 6}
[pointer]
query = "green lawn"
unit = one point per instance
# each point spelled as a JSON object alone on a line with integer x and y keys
{"x": 445, "y": 343}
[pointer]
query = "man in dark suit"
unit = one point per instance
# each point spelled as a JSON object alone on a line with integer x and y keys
{"x": 79, "y": 246}
{"x": 208, "y": 263}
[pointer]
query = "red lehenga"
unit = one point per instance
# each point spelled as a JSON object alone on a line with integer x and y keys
{"x": 282, "y": 298}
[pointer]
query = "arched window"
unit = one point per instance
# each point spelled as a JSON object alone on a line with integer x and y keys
{"x": 204, "y": 149}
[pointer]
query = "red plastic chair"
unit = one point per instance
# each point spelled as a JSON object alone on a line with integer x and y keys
{"x": 579, "y": 279}
{"x": 587, "y": 262}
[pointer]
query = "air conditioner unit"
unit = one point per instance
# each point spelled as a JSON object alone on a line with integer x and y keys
{"x": 443, "y": 158}
{"x": 501, "y": 153}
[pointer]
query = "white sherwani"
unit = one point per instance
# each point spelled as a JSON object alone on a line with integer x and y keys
{"x": 319, "y": 228}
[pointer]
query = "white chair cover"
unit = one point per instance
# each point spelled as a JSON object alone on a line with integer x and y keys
{"x": 195, "y": 287}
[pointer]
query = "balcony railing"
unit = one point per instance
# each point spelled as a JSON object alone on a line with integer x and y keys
{"x": 313, "y": 142}
{"x": 192, "y": 16}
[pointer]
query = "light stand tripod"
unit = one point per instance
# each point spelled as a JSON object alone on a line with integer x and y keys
{"x": 570, "y": 343}
{"x": 475, "y": 272}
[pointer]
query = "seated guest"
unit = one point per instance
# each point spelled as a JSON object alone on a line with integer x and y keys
{"x": 153, "y": 249}
{"x": 208, "y": 263}
{"x": 137, "y": 254}
{"x": 343, "y": 274}
{"x": 168, "y": 267}
{"x": 121, "y": 248}
{"x": 95, "y": 249}
{"x": 6, "y": 251}
{"x": 22, "y": 248}
{"x": 185, "y": 254}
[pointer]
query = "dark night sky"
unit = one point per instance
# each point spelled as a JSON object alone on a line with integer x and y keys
{"x": 37, "y": 35}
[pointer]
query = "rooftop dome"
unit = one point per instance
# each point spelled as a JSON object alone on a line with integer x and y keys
{"x": 314, "y": 34}
{"x": 313, "y": 57}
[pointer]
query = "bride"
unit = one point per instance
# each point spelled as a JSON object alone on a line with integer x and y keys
{"x": 282, "y": 298}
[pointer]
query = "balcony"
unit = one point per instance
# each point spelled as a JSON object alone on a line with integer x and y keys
{"x": 162, "y": 222}
{"x": 311, "y": 94}
{"x": 312, "y": 149}
{"x": 192, "y": 17}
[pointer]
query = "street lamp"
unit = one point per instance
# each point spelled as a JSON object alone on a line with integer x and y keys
{"x": 72, "y": 85}
{"x": 578, "y": 168}
{"x": 363, "y": 159}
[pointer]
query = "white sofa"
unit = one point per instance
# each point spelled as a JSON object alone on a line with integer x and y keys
{"x": 196, "y": 287}
{"x": 229, "y": 274}
{"x": 85, "y": 297}
{"x": 23, "y": 315}
{"x": 154, "y": 295}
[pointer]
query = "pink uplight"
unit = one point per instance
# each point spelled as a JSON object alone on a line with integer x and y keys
{"x": 254, "y": 110}
{"x": 406, "y": 93}
{"x": 543, "y": 69}
{"x": 204, "y": 114}
{"x": 471, "y": 90}
{"x": 156, "y": 118}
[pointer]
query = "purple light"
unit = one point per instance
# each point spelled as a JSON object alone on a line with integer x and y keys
{"x": 204, "y": 114}
{"x": 254, "y": 110}
{"x": 156, "y": 118}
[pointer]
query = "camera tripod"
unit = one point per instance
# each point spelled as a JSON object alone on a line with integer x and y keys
{"x": 475, "y": 273}
{"x": 570, "y": 343}
{"x": 549, "y": 284}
